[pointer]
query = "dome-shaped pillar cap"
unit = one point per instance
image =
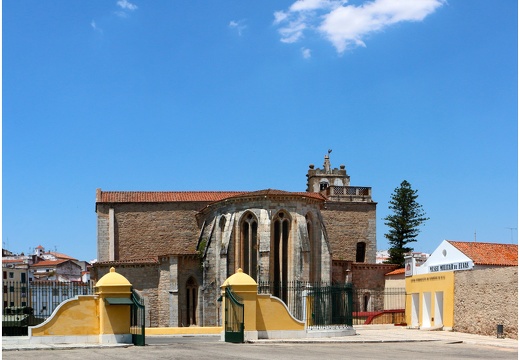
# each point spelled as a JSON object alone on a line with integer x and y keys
{"x": 113, "y": 282}
{"x": 239, "y": 279}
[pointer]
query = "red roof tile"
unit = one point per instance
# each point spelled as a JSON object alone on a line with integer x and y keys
{"x": 13, "y": 261}
{"x": 187, "y": 196}
{"x": 163, "y": 196}
{"x": 49, "y": 262}
{"x": 488, "y": 253}
{"x": 60, "y": 255}
{"x": 129, "y": 262}
{"x": 274, "y": 192}
{"x": 396, "y": 272}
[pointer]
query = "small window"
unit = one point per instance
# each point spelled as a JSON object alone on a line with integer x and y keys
{"x": 11, "y": 275}
{"x": 5, "y": 275}
{"x": 360, "y": 252}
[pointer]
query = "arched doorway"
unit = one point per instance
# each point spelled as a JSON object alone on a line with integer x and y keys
{"x": 192, "y": 294}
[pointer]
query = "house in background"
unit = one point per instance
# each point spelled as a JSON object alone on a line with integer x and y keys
{"x": 15, "y": 282}
{"x": 462, "y": 282}
{"x": 56, "y": 270}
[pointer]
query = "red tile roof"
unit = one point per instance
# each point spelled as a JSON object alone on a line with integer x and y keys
{"x": 50, "y": 263}
{"x": 488, "y": 253}
{"x": 187, "y": 196}
{"x": 129, "y": 262}
{"x": 13, "y": 261}
{"x": 396, "y": 272}
{"x": 162, "y": 196}
{"x": 60, "y": 255}
{"x": 274, "y": 192}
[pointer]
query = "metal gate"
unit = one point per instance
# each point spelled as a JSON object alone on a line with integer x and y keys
{"x": 331, "y": 306}
{"x": 137, "y": 319}
{"x": 234, "y": 318}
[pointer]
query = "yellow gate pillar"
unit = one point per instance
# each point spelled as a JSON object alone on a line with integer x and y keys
{"x": 247, "y": 289}
{"x": 114, "y": 292}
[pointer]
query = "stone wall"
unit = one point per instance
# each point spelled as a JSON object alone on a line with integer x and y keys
{"x": 370, "y": 276}
{"x": 144, "y": 230}
{"x": 486, "y": 298}
{"x": 350, "y": 223}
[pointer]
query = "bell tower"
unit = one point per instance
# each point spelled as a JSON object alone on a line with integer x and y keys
{"x": 320, "y": 179}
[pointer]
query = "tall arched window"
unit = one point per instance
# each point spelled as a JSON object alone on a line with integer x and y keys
{"x": 222, "y": 224}
{"x": 315, "y": 249}
{"x": 192, "y": 291}
{"x": 248, "y": 253}
{"x": 280, "y": 251}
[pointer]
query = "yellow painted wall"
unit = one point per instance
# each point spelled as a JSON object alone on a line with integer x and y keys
{"x": 77, "y": 316}
{"x": 431, "y": 283}
{"x": 248, "y": 295}
{"x": 189, "y": 330}
{"x": 114, "y": 319}
{"x": 271, "y": 314}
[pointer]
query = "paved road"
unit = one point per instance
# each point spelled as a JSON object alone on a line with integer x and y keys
{"x": 211, "y": 348}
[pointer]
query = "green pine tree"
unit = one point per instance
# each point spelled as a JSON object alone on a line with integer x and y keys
{"x": 404, "y": 222}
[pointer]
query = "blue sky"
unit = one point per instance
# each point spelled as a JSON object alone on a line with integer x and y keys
{"x": 243, "y": 95}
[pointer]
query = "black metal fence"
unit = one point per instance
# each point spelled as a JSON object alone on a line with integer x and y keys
{"x": 324, "y": 305}
{"x": 320, "y": 305}
{"x": 30, "y": 303}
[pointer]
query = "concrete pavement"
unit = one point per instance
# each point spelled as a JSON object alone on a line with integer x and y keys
{"x": 375, "y": 334}
{"x": 365, "y": 334}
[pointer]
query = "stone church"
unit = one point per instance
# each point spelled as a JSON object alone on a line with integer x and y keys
{"x": 177, "y": 248}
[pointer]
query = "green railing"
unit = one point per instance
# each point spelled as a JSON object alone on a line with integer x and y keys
{"x": 234, "y": 318}
{"x": 137, "y": 319}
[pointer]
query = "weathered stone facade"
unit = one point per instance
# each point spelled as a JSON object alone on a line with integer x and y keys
{"x": 177, "y": 248}
{"x": 485, "y": 298}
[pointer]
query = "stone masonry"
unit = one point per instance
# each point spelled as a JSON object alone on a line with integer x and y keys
{"x": 177, "y": 248}
{"x": 485, "y": 298}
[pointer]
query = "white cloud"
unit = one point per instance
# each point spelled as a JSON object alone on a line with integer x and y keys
{"x": 238, "y": 25}
{"x": 306, "y": 53}
{"x": 95, "y": 26}
{"x": 126, "y": 5}
{"x": 306, "y": 5}
{"x": 345, "y": 26}
{"x": 280, "y": 16}
{"x": 293, "y": 32}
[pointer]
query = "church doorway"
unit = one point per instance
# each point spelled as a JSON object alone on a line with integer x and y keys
{"x": 192, "y": 290}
